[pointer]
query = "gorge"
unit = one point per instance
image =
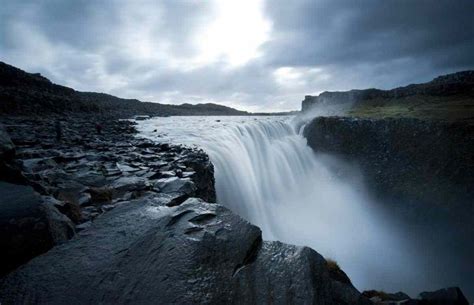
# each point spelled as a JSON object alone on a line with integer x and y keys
{"x": 136, "y": 202}
{"x": 266, "y": 173}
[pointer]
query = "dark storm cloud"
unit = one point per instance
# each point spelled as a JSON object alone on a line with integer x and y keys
{"x": 332, "y": 32}
{"x": 437, "y": 35}
{"x": 148, "y": 49}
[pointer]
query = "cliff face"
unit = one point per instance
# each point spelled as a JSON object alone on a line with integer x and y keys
{"x": 421, "y": 173}
{"x": 409, "y": 159}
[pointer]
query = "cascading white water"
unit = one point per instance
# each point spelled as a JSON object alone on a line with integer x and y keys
{"x": 266, "y": 173}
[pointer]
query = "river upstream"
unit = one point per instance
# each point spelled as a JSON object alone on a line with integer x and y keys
{"x": 266, "y": 173}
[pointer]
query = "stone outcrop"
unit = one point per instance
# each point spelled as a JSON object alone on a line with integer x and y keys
{"x": 407, "y": 159}
{"x": 7, "y": 148}
{"x": 144, "y": 252}
{"x": 421, "y": 173}
{"x": 52, "y": 188}
{"x": 29, "y": 225}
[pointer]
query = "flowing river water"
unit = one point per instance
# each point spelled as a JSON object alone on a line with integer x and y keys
{"x": 266, "y": 173}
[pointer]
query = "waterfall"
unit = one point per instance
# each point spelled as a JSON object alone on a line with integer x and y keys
{"x": 266, "y": 173}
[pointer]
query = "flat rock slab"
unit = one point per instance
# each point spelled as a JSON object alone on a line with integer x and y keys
{"x": 143, "y": 252}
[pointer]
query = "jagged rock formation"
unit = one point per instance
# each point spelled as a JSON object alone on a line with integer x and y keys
{"x": 81, "y": 176}
{"x": 27, "y": 93}
{"x": 29, "y": 225}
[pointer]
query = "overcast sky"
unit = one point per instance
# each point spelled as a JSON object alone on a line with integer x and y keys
{"x": 250, "y": 54}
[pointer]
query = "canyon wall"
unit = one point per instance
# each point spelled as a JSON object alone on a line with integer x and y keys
{"x": 406, "y": 159}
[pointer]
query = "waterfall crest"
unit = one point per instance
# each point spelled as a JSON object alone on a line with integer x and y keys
{"x": 267, "y": 174}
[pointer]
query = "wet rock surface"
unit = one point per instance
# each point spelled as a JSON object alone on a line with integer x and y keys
{"x": 82, "y": 175}
{"x": 144, "y": 252}
{"x": 29, "y": 225}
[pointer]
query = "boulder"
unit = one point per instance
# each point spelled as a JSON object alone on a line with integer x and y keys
{"x": 287, "y": 274}
{"x": 203, "y": 175}
{"x": 29, "y": 225}
{"x": 130, "y": 184}
{"x": 175, "y": 185}
{"x": 143, "y": 252}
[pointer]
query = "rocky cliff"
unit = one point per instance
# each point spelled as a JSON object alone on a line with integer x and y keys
{"x": 405, "y": 158}
{"x": 414, "y": 142}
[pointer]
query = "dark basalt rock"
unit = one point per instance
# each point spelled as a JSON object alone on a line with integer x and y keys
{"x": 420, "y": 171}
{"x": 29, "y": 225}
{"x": 409, "y": 159}
{"x": 286, "y": 274}
{"x": 7, "y": 148}
{"x": 175, "y": 185}
{"x": 85, "y": 174}
{"x": 195, "y": 253}
{"x": 203, "y": 176}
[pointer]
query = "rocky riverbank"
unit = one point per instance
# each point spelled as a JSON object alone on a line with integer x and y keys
{"x": 83, "y": 175}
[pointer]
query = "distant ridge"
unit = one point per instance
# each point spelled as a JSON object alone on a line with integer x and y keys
{"x": 23, "y": 93}
{"x": 460, "y": 83}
